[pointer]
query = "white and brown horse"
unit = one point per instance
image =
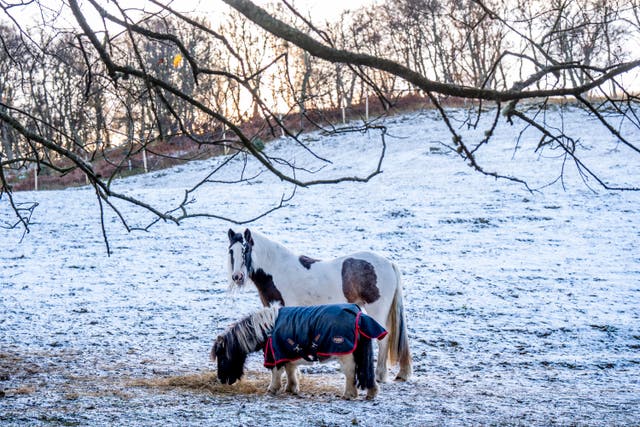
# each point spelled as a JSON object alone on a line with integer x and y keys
{"x": 362, "y": 278}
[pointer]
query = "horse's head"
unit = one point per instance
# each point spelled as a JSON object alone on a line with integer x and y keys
{"x": 230, "y": 359}
{"x": 240, "y": 261}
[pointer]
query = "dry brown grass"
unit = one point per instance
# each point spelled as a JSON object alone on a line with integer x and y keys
{"x": 252, "y": 383}
{"x": 204, "y": 381}
{"x": 20, "y": 390}
{"x": 7, "y": 360}
{"x": 255, "y": 382}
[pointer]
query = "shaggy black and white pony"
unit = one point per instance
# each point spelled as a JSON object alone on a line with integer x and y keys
{"x": 363, "y": 278}
{"x": 291, "y": 335}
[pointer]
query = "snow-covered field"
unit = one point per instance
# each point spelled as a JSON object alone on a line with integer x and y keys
{"x": 523, "y": 307}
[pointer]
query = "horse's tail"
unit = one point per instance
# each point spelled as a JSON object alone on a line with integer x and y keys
{"x": 363, "y": 358}
{"x": 398, "y": 337}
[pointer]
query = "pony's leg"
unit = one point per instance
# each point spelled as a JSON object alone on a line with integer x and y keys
{"x": 381, "y": 367}
{"x": 276, "y": 380}
{"x": 292, "y": 378}
{"x": 372, "y": 392}
{"x": 349, "y": 369}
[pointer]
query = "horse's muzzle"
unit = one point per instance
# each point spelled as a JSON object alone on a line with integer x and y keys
{"x": 238, "y": 279}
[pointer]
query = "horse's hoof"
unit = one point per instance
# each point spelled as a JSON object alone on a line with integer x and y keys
{"x": 403, "y": 375}
{"x": 349, "y": 396}
{"x": 272, "y": 391}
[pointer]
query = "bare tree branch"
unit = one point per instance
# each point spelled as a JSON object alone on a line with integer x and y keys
{"x": 260, "y": 17}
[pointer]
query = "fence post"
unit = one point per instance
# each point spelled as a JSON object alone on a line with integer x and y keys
{"x": 344, "y": 107}
{"x": 224, "y": 137}
{"x": 366, "y": 107}
{"x": 35, "y": 178}
{"x": 144, "y": 159}
{"x": 281, "y": 126}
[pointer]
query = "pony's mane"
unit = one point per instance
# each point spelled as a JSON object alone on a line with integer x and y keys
{"x": 251, "y": 332}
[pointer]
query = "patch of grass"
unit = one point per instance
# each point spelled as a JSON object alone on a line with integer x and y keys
{"x": 200, "y": 381}
{"x": 23, "y": 390}
{"x": 252, "y": 383}
{"x": 56, "y": 420}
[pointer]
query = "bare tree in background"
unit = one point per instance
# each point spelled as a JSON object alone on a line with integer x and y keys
{"x": 550, "y": 76}
{"x": 67, "y": 94}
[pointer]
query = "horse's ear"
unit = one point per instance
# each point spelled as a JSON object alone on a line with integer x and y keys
{"x": 247, "y": 236}
{"x": 213, "y": 356}
{"x": 231, "y": 234}
{"x": 214, "y": 349}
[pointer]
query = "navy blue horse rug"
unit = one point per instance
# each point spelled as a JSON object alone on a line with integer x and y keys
{"x": 318, "y": 332}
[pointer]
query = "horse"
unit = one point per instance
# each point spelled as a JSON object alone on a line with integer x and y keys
{"x": 289, "y": 336}
{"x": 363, "y": 278}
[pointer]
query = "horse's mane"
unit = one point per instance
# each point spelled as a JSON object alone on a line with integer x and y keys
{"x": 262, "y": 242}
{"x": 251, "y": 332}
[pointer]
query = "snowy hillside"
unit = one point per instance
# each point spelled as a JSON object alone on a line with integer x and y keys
{"x": 523, "y": 307}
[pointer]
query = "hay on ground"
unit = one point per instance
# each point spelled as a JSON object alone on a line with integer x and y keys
{"x": 253, "y": 382}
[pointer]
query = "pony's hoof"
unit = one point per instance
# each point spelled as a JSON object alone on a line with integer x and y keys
{"x": 372, "y": 393}
{"x": 272, "y": 391}
{"x": 349, "y": 396}
{"x": 293, "y": 390}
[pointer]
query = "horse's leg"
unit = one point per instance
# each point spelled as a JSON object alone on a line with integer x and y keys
{"x": 349, "y": 369}
{"x": 405, "y": 368}
{"x": 276, "y": 380}
{"x": 381, "y": 367}
{"x": 292, "y": 378}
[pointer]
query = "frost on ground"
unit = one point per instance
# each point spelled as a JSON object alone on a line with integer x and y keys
{"x": 523, "y": 307}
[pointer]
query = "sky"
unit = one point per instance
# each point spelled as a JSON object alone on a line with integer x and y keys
{"x": 324, "y": 8}
{"x": 319, "y": 10}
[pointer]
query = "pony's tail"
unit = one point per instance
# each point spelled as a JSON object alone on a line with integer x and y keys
{"x": 363, "y": 358}
{"x": 398, "y": 337}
